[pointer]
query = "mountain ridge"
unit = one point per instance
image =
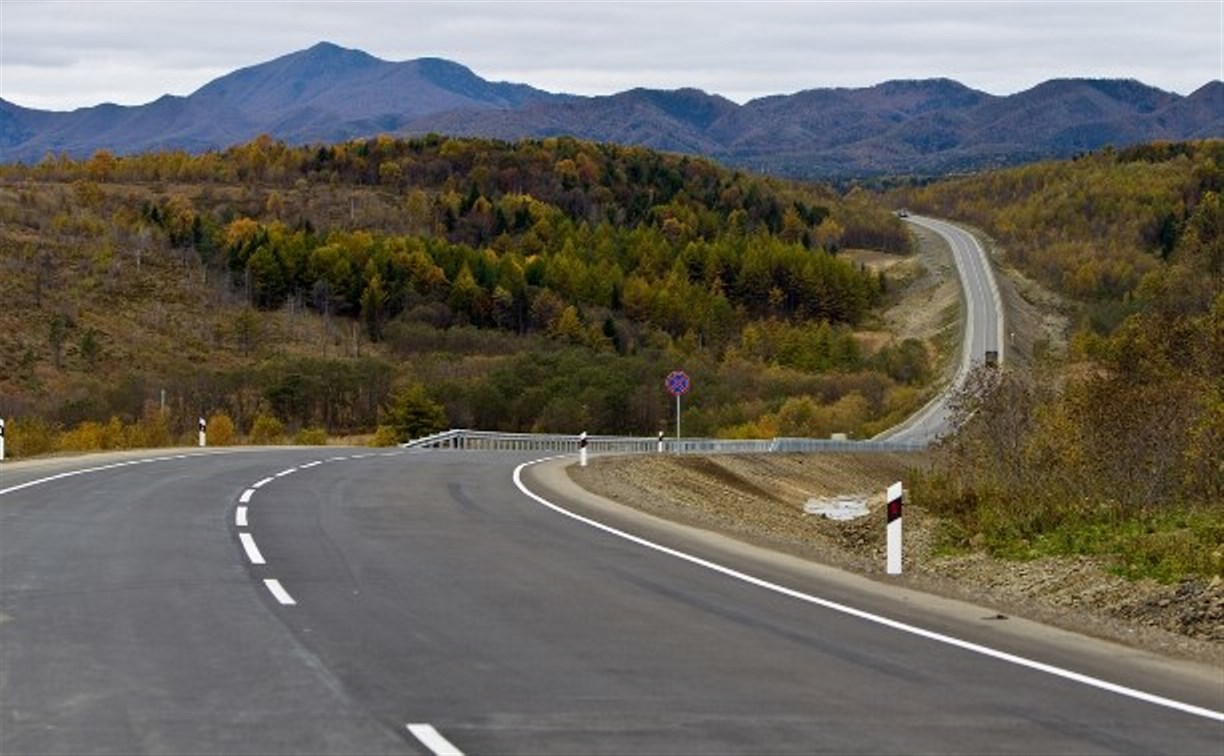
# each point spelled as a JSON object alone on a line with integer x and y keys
{"x": 328, "y": 93}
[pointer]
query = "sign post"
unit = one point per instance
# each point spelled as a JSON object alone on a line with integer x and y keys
{"x": 678, "y": 384}
{"x": 894, "y": 529}
{"x": 203, "y": 426}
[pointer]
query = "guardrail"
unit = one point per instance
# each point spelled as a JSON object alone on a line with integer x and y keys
{"x": 472, "y": 440}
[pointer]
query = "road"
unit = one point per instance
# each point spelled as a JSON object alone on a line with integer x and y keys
{"x": 426, "y": 589}
{"x": 982, "y": 323}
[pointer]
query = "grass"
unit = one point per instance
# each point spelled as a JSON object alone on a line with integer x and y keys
{"x": 1168, "y": 545}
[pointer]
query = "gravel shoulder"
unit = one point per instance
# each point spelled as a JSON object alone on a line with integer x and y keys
{"x": 760, "y": 499}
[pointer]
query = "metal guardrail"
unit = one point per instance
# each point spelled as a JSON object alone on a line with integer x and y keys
{"x": 472, "y": 440}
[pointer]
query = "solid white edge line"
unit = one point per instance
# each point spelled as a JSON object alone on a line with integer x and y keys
{"x": 98, "y": 468}
{"x": 262, "y": 483}
{"x": 433, "y": 740}
{"x": 240, "y": 517}
{"x": 1094, "y": 682}
{"x": 252, "y": 551}
{"x": 246, "y": 496}
{"x": 278, "y": 592}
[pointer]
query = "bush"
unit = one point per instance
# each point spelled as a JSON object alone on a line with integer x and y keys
{"x": 266, "y": 429}
{"x": 27, "y": 437}
{"x": 220, "y": 429}
{"x": 385, "y": 436}
{"x": 152, "y": 430}
{"x": 311, "y": 437}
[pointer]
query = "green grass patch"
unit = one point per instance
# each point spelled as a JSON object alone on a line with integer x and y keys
{"x": 1168, "y": 544}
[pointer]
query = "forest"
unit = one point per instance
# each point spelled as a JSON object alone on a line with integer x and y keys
{"x": 541, "y": 285}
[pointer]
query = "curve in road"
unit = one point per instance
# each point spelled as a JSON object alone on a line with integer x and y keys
{"x": 982, "y": 328}
{"x": 436, "y": 608}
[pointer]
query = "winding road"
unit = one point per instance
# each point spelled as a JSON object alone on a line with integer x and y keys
{"x": 356, "y": 601}
{"x": 982, "y": 325}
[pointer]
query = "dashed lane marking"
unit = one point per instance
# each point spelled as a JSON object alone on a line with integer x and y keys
{"x": 279, "y": 593}
{"x": 433, "y": 740}
{"x": 252, "y": 551}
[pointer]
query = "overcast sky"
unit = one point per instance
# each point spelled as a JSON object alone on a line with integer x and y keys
{"x": 64, "y": 55}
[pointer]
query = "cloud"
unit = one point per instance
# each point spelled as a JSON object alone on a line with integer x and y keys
{"x": 67, "y": 54}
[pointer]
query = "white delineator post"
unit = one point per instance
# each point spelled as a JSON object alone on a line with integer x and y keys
{"x": 203, "y": 427}
{"x": 1, "y": 439}
{"x": 582, "y": 449}
{"x": 894, "y": 529}
{"x": 660, "y": 442}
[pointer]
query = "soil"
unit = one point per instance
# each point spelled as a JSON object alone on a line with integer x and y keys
{"x": 760, "y": 499}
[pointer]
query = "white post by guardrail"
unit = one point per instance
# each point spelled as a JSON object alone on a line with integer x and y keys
{"x": 660, "y": 449}
{"x": 893, "y": 566}
{"x": 1, "y": 439}
{"x": 582, "y": 449}
{"x": 203, "y": 427}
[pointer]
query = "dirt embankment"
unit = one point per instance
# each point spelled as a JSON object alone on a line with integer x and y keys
{"x": 760, "y": 499}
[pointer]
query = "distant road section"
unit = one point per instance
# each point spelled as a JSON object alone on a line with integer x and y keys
{"x": 983, "y": 328}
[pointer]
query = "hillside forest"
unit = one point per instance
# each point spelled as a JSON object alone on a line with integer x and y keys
{"x": 545, "y": 285}
{"x": 1115, "y": 447}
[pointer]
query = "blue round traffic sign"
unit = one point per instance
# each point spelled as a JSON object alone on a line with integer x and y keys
{"x": 677, "y": 382}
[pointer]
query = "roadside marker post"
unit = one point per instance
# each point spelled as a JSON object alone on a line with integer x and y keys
{"x": 203, "y": 427}
{"x": 582, "y": 449}
{"x": 1, "y": 439}
{"x": 660, "y": 442}
{"x": 893, "y": 566}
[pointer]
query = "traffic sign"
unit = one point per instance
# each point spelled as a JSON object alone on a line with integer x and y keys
{"x": 677, "y": 383}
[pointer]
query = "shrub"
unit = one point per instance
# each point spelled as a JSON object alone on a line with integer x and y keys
{"x": 385, "y": 436}
{"x": 27, "y": 437}
{"x": 152, "y": 430}
{"x": 311, "y": 437}
{"x": 220, "y": 429}
{"x": 267, "y": 429}
{"x": 85, "y": 437}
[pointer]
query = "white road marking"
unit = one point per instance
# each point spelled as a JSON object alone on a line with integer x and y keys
{"x": 1094, "y": 682}
{"x": 283, "y": 473}
{"x": 312, "y": 464}
{"x": 240, "y": 517}
{"x": 246, "y": 496}
{"x": 252, "y": 551}
{"x": 99, "y": 468}
{"x": 336, "y": 459}
{"x": 262, "y": 483}
{"x": 433, "y": 740}
{"x": 279, "y": 593}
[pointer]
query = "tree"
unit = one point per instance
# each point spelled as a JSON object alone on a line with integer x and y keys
{"x": 373, "y": 300}
{"x": 413, "y": 414}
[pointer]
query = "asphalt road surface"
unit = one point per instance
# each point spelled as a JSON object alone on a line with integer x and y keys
{"x": 325, "y": 600}
{"x": 982, "y": 324}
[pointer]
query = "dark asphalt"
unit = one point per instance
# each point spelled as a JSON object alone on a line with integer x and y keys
{"x": 430, "y": 590}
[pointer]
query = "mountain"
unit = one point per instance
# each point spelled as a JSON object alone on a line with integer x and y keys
{"x": 324, "y": 93}
{"x": 328, "y": 93}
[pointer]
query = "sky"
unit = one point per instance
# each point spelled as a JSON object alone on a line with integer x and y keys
{"x": 59, "y": 55}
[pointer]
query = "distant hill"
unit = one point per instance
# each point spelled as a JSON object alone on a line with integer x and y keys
{"x": 328, "y": 93}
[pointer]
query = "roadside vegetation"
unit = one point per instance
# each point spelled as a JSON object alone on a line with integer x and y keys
{"x": 1115, "y": 451}
{"x": 544, "y": 285}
